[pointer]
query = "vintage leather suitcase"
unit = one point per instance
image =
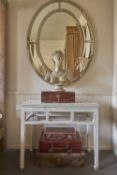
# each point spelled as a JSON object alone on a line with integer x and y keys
{"x": 66, "y": 140}
{"x": 52, "y": 133}
{"x": 57, "y": 97}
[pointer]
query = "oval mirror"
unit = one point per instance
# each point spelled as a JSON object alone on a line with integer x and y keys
{"x": 60, "y": 42}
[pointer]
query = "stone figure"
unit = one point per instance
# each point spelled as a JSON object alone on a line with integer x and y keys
{"x": 59, "y": 76}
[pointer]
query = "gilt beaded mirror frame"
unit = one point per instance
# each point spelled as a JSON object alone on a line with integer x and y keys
{"x": 60, "y": 42}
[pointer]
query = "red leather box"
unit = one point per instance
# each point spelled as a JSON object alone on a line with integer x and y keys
{"x": 57, "y": 97}
{"x": 66, "y": 140}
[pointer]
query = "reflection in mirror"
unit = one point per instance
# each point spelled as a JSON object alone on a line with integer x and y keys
{"x": 60, "y": 27}
{"x": 58, "y": 37}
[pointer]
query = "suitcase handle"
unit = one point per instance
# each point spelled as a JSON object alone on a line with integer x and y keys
{"x": 54, "y": 148}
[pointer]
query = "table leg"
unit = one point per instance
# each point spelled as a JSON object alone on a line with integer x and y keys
{"x": 22, "y": 142}
{"x": 31, "y": 138}
{"x": 87, "y": 139}
{"x": 96, "y": 142}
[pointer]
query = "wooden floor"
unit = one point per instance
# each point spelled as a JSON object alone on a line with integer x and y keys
{"x": 9, "y": 165}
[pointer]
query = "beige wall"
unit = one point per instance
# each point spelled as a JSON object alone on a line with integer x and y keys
{"x": 115, "y": 77}
{"x": 96, "y": 83}
{"x": 115, "y": 48}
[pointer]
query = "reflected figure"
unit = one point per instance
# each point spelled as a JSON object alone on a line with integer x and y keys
{"x": 59, "y": 76}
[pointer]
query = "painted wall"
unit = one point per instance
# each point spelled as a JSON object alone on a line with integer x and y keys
{"x": 115, "y": 78}
{"x": 23, "y": 83}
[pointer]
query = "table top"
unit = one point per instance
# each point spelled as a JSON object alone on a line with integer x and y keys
{"x": 36, "y": 104}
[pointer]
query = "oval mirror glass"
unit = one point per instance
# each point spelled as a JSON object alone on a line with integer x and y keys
{"x": 60, "y": 42}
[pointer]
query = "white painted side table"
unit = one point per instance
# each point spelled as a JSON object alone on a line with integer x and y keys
{"x": 58, "y": 113}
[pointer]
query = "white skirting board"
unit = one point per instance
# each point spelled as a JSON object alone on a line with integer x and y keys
{"x": 106, "y": 148}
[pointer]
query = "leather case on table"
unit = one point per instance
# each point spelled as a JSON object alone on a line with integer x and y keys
{"x": 57, "y": 97}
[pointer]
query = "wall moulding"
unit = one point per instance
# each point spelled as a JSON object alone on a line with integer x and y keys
{"x": 77, "y": 93}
